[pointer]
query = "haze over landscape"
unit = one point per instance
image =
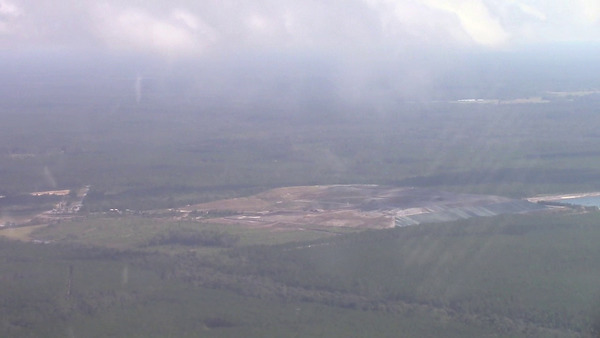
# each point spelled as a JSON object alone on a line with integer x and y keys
{"x": 351, "y": 52}
{"x": 360, "y": 168}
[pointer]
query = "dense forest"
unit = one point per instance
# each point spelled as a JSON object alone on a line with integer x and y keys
{"x": 523, "y": 275}
{"x": 159, "y": 155}
{"x": 125, "y": 265}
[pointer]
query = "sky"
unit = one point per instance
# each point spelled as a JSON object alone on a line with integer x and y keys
{"x": 190, "y": 28}
{"x": 301, "y": 51}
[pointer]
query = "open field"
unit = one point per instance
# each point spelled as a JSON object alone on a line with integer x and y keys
{"x": 275, "y": 216}
{"x": 19, "y": 218}
{"x": 21, "y": 233}
{"x": 355, "y": 206}
{"x": 125, "y": 232}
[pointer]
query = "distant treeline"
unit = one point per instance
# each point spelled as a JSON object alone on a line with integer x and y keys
{"x": 167, "y": 155}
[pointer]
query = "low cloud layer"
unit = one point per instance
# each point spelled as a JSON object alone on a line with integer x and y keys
{"x": 177, "y": 32}
{"x": 185, "y": 27}
{"x": 305, "y": 56}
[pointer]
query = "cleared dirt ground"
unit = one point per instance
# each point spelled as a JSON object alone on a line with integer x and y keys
{"x": 354, "y": 206}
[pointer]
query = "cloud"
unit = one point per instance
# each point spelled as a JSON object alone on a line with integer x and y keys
{"x": 187, "y": 18}
{"x": 186, "y": 27}
{"x": 414, "y": 21}
{"x": 475, "y": 19}
{"x": 179, "y": 32}
{"x": 530, "y": 10}
{"x": 9, "y": 12}
{"x": 8, "y": 9}
{"x": 441, "y": 22}
{"x": 591, "y": 11}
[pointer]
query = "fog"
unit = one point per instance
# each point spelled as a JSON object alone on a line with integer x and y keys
{"x": 281, "y": 82}
{"x": 290, "y": 55}
{"x": 279, "y": 168}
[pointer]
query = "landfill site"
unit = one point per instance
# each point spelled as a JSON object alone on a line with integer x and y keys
{"x": 355, "y": 206}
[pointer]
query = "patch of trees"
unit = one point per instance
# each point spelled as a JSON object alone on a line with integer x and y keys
{"x": 26, "y": 199}
{"x": 191, "y": 237}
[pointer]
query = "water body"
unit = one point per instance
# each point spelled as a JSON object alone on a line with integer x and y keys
{"x": 588, "y": 201}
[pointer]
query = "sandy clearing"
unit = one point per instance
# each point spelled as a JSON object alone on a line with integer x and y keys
{"x": 50, "y": 192}
{"x": 353, "y": 206}
{"x": 562, "y": 196}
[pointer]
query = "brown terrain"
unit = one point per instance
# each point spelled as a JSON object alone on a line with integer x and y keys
{"x": 354, "y": 206}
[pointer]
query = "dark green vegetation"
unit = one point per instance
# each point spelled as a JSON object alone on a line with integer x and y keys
{"x": 165, "y": 234}
{"x": 156, "y": 155}
{"x": 25, "y": 204}
{"x": 60, "y": 291}
{"x": 500, "y": 276}
{"x": 105, "y": 274}
{"x": 512, "y": 272}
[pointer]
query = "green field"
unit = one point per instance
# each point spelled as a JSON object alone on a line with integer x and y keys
{"x": 124, "y": 232}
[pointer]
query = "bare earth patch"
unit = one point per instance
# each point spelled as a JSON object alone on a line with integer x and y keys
{"x": 355, "y": 206}
{"x": 51, "y": 192}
